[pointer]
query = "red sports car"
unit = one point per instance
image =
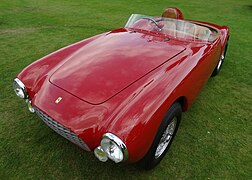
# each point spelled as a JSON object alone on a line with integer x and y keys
{"x": 121, "y": 93}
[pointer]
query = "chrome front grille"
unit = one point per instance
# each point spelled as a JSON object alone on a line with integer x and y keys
{"x": 60, "y": 129}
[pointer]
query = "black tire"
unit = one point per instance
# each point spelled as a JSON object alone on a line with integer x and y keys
{"x": 222, "y": 58}
{"x": 155, "y": 155}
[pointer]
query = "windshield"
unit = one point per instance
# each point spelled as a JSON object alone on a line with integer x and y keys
{"x": 172, "y": 27}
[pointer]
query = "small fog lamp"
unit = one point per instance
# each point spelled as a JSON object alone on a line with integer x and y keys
{"x": 100, "y": 154}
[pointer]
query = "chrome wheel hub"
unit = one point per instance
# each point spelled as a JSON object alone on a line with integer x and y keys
{"x": 166, "y": 138}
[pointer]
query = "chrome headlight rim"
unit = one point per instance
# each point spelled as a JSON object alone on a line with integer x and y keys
{"x": 118, "y": 143}
{"x": 17, "y": 83}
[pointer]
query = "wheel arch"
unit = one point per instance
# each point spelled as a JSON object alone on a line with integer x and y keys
{"x": 182, "y": 100}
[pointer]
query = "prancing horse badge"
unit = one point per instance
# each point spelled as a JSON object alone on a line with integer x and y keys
{"x": 58, "y": 100}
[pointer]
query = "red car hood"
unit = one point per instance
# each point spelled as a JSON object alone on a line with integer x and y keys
{"x": 107, "y": 65}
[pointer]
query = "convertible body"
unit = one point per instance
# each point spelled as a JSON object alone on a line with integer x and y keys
{"x": 122, "y": 82}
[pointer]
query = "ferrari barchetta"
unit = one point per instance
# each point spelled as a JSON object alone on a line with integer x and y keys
{"x": 121, "y": 93}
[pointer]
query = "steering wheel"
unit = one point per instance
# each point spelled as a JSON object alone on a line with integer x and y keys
{"x": 152, "y": 20}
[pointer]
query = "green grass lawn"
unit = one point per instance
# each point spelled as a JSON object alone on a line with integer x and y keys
{"x": 215, "y": 136}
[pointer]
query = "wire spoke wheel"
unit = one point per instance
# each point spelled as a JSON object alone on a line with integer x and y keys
{"x": 166, "y": 138}
{"x": 221, "y": 60}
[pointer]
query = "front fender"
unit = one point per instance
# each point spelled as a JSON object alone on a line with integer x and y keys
{"x": 136, "y": 120}
{"x": 34, "y": 75}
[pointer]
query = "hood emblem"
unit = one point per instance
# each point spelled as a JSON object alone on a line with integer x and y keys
{"x": 58, "y": 100}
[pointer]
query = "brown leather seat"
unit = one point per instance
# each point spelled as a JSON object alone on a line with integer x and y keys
{"x": 170, "y": 27}
{"x": 173, "y": 13}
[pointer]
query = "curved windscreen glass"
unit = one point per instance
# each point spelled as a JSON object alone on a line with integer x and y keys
{"x": 172, "y": 27}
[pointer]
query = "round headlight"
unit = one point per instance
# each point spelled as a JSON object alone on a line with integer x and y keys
{"x": 19, "y": 88}
{"x": 114, "y": 148}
